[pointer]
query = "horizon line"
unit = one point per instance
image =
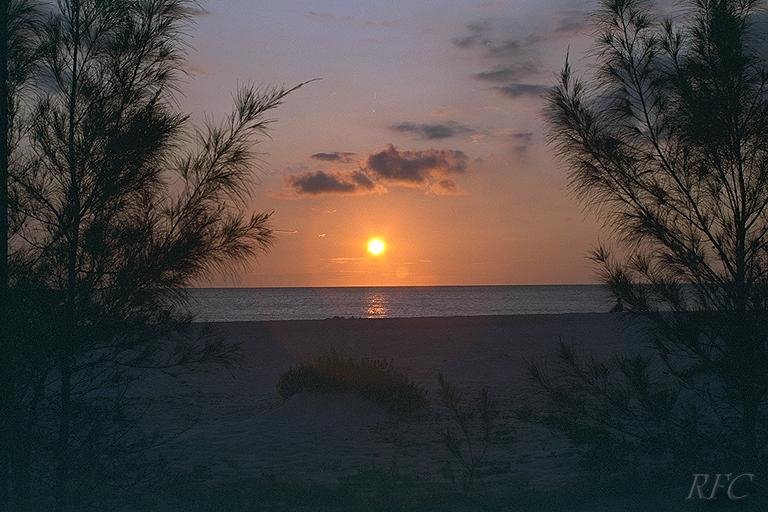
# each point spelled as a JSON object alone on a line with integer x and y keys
{"x": 385, "y": 286}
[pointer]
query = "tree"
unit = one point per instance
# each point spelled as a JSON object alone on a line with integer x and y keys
{"x": 118, "y": 205}
{"x": 669, "y": 142}
{"x": 5, "y": 387}
{"x": 18, "y": 57}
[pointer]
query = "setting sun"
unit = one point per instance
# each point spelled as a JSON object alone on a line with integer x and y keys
{"x": 376, "y": 246}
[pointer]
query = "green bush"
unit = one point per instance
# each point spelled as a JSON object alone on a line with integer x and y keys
{"x": 374, "y": 379}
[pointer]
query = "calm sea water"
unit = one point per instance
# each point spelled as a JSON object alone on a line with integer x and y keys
{"x": 236, "y": 304}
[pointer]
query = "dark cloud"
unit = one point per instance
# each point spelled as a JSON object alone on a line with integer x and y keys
{"x": 510, "y": 47}
{"x": 516, "y": 90}
{"x": 415, "y": 167}
{"x": 431, "y": 169}
{"x": 522, "y": 142}
{"x": 515, "y": 58}
{"x": 322, "y": 182}
{"x": 362, "y": 180}
{"x": 516, "y": 71}
{"x": 526, "y": 137}
{"x": 431, "y": 131}
{"x": 334, "y": 156}
{"x": 447, "y": 187}
{"x": 484, "y": 35}
{"x": 477, "y": 33}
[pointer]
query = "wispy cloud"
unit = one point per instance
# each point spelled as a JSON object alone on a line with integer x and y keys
{"x": 513, "y": 59}
{"x": 515, "y": 90}
{"x": 571, "y": 22}
{"x": 521, "y": 141}
{"x": 515, "y": 71}
{"x": 446, "y": 187}
{"x": 493, "y": 40}
{"x": 432, "y": 131}
{"x": 334, "y": 156}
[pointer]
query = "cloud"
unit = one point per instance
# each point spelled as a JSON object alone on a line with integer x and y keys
{"x": 446, "y": 187}
{"x": 324, "y": 182}
{"x": 485, "y": 35}
{"x": 508, "y": 73}
{"x": 525, "y": 137}
{"x": 415, "y": 167}
{"x": 432, "y": 169}
{"x": 516, "y": 90}
{"x": 477, "y": 31}
{"x": 334, "y": 156}
{"x": 521, "y": 141}
{"x": 514, "y": 61}
{"x": 431, "y": 131}
{"x": 571, "y": 23}
{"x": 510, "y": 47}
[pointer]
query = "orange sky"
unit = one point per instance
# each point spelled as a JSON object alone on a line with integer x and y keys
{"x": 426, "y": 131}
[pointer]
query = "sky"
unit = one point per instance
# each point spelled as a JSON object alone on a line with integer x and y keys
{"x": 425, "y": 130}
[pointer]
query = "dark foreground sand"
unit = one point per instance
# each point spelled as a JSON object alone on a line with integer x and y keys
{"x": 244, "y": 429}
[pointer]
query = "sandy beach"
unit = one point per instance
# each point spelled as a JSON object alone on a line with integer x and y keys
{"x": 244, "y": 429}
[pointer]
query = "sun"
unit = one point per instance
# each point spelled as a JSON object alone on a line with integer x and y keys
{"x": 376, "y": 246}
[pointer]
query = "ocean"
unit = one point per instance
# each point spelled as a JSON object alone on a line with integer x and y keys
{"x": 244, "y": 304}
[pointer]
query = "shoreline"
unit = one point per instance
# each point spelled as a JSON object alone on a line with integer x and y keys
{"x": 399, "y": 318}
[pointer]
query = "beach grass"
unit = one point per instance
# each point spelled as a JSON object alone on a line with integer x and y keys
{"x": 375, "y": 379}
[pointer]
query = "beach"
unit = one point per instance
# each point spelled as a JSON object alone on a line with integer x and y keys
{"x": 243, "y": 429}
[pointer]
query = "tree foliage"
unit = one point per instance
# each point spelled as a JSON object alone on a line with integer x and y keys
{"x": 117, "y": 203}
{"x": 668, "y": 141}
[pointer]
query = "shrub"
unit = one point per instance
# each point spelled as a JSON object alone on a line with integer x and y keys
{"x": 375, "y": 379}
{"x": 469, "y": 429}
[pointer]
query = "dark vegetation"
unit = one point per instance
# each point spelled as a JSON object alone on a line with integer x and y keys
{"x": 468, "y": 430}
{"x": 116, "y": 203}
{"x": 374, "y": 379}
{"x": 387, "y": 488}
{"x": 668, "y": 141}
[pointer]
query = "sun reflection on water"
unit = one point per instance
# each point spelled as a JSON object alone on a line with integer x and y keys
{"x": 376, "y": 305}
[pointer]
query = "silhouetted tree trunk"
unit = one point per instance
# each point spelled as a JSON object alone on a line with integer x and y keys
{"x": 73, "y": 244}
